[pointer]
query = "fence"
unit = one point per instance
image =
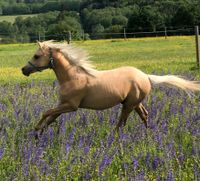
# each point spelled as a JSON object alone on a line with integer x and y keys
{"x": 197, "y": 45}
{"x": 126, "y": 33}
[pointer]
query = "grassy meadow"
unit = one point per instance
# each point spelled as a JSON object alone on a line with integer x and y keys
{"x": 12, "y": 18}
{"x": 176, "y": 54}
{"x": 86, "y": 147}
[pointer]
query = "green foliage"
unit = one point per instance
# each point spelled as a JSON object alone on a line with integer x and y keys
{"x": 107, "y": 20}
{"x": 37, "y": 6}
{"x": 145, "y": 19}
{"x": 120, "y": 20}
{"x": 99, "y": 19}
{"x": 53, "y": 25}
{"x": 98, "y": 30}
{"x": 184, "y": 16}
{"x": 16, "y": 9}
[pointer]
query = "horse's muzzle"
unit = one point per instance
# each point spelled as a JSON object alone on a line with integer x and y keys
{"x": 26, "y": 71}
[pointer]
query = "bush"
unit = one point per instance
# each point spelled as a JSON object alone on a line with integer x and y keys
{"x": 16, "y": 9}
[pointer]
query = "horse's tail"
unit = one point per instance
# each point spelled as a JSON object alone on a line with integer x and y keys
{"x": 176, "y": 81}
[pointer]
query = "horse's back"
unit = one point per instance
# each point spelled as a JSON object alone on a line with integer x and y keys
{"x": 111, "y": 87}
{"x": 127, "y": 74}
{"x": 138, "y": 80}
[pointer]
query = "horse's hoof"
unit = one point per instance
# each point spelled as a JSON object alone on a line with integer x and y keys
{"x": 38, "y": 133}
{"x": 36, "y": 136}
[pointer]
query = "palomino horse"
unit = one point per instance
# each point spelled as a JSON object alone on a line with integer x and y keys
{"x": 81, "y": 86}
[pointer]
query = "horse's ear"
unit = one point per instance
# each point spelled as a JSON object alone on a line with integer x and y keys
{"x": 39, "y": 44}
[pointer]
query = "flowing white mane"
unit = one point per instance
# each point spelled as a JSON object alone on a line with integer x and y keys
{"x": 74, "y": 55}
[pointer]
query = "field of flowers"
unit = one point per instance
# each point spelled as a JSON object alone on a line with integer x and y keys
{"x": 82, "y": 145}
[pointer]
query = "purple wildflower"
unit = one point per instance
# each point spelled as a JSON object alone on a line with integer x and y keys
{"x": 1, "y": 153}
{"x": 141, "y": 176}
{"x": 156, "y": 163}
{"x": 100, "y": 116}
{"x": 71, "y": 135}
{"x": 3, "y": 107}
{"x": 87, "y": 176}
{"x": 51, "y": 133}
{"x": 25, "y": 170}
{"x": 16, "y": 113}
{"x": 81, "y": 140}
{"x": 112, "y": 120}
{"x": 62, "y": 120}
{"x": 111, "y": 139}
{"x": 194, "y": 150}
{"x": 148, "y": 159}
{"x": 38, "y": 154}
{"x": 135, "y": 163}
{"x": 55, "y": 84}
{"x": 170, "y": 176}
{"x": 86, "y": 149}
{"x": 104, "y": 163}
{"x": 37, "y": 110}
{"x": 67, "y": 148}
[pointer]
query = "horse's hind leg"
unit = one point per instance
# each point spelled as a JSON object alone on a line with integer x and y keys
{"x": 140, "y": 109}
{"x": 124, "y": 116}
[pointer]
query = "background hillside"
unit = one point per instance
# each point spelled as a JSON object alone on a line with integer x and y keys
{"x": 94, "y": 18}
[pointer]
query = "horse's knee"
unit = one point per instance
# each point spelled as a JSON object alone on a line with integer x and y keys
{"x": 142, "y": 112}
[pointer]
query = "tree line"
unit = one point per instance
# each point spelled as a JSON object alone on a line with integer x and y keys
{"x": 96, "y": 18}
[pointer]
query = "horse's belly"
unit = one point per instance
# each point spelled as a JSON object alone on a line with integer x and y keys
{"x": 100, "y": 102}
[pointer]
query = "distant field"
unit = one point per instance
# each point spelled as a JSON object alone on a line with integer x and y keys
{"x": 11, "y": 19}
{"x": 174, "y": 55}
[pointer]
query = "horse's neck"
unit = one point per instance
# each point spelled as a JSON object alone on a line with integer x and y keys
{"x": 63, "y": 69}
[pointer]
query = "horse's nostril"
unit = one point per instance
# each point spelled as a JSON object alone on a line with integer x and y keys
{"x": 25, "y": 71}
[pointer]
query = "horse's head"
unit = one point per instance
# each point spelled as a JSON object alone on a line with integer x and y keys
{"x": 41, "y": 60}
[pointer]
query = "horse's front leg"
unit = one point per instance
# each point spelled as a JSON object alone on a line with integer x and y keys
{"x": 44, "y": 123}
{"x": 49, "y": 116}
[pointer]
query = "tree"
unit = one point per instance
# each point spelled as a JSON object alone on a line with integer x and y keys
{"x": 146, "y": 19}
{"x": 120, "y": 20}
{"x": 16, "y": 9}
{"x": 71, "y": 5}
{"x": 114, "y": 31}
{"x": 97, "y": 31}
{"x": 62, "y": 27}
{"x": 183, "y": 17}
{"x": 51, "y": 6}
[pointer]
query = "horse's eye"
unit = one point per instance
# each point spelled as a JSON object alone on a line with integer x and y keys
{"x": 36, "y": 56}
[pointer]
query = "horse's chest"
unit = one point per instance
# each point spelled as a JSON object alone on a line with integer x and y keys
{"x": 71, "y": 91}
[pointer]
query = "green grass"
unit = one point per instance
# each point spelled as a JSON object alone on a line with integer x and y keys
{"x": 174, "y": 55}
{"x": 12, "y": 18}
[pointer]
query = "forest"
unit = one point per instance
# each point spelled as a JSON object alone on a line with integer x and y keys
{"x": 92, "y": 19}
